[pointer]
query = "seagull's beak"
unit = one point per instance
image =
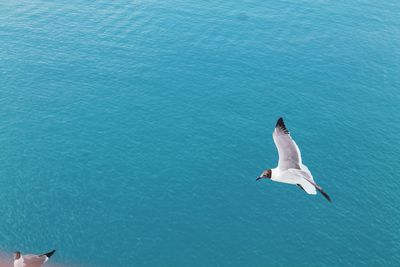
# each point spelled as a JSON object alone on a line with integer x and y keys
{"x": 259, "y": 178}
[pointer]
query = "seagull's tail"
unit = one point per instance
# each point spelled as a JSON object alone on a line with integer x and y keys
{"x": 49, "y": 254}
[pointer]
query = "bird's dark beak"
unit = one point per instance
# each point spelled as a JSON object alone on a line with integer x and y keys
{"x": 259, "y": 178}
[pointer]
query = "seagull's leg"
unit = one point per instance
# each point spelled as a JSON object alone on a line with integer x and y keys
{"x": 301, "y": 187}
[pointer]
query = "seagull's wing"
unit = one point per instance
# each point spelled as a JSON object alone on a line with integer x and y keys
{"x": 34, "y": 260}
{"x": 319, "y": 189}
{"x": 306, "y": 172}
{"x": 289, "y": 153}
{"x": 307, "y": 182}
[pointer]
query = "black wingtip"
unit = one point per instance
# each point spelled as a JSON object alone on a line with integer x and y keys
{"x": 280, "y": 124}
{"x": 325, "y": 195}
{"x": 49, "y": 254}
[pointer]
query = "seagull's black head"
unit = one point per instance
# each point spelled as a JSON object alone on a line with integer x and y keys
{"x": 17, "y": 255}
{"x": 265, "y": 174}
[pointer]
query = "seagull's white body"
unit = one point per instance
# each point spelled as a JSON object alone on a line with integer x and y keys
{"x": 297, "y": 177}
{"x": 31, "y": 260}
{"x": 290, "y": 169}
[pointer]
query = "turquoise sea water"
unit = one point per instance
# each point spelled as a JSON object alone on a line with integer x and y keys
{"x": 132, "y": 132}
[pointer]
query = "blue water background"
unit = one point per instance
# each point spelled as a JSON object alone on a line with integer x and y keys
{"x": 131, "y": 132}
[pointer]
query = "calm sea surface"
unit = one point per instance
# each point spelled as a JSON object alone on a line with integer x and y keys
{"x": 131, "y": 132}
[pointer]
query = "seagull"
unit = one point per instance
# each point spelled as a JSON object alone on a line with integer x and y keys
{"x": 31, "y": 260}
{"x": 290, "y": 168}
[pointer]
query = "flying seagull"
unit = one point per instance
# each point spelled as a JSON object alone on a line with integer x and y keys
{"x": 31, "y": 260}
{"x": 290, "y": 168}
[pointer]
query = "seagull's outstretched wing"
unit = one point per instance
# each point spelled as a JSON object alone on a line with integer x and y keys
{"x": 34, "y": 260}
{"x": 319, "y": 189}
{"x": 289, "y": 153}
{"x": 31, "y": 260}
